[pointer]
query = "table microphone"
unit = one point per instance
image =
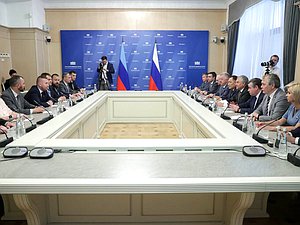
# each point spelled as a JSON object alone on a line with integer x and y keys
{"x": 33, "y": 126}
{"x": 44, "y": 120}
{"x": 5, "y": 141}
{"x": 204, "y": 102}
{"x": 223, "y": 116}
{"x": 236, "y": 124}
{"x": 259, "y": 138}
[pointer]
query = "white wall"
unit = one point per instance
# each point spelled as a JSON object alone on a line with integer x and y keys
{"x": 19, "y": 14}
{"x": 3, "y": 14}
{"x": 38, "y": 17}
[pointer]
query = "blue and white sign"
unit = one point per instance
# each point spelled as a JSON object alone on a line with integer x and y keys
{"x": 183, "y": 55}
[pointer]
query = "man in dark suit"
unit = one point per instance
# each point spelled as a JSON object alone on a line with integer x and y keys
{"x": 274, "y": 103}
{"x": 232, "y": 89}
{"x": 11, "y": 72}
{"x": 254, "y": 88}
{"x": 105, "y": 70}
{"x": 14, "y": 99}
{"x": 242, "y": 87}
{"x": 64, "y": 85}
{"x": 54, "y": 88}
{"x": 223, "y": 90}
{"x": 204, "y": 84}
{"x": 73, "y": 85}
{"x": 213, "y": 85}
{"x": 38, "y": 95}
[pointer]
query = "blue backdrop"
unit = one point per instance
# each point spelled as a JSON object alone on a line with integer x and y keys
{"x": 183, "y": 55}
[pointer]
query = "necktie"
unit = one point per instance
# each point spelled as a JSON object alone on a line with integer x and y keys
{"x": 255, "y": 102}
{"x": 238, "y": 96}
{"x": 268, "y": 101}
{"x": 18, "y": 100}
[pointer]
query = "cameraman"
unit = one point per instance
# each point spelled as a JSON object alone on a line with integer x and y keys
{"x": 272, "y": 65}
{"x": 105, "y": 70}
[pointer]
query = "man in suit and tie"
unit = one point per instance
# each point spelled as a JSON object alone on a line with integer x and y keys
{"x": 73, "y": 85}
{"x": 204, "y": 84}
{"x": 14, "y": 99}
{"x": 274, "y": 103}
{"x": 254, "y": 88}
{"x": 38, "y": 95}
{"x": 64, "y": 85}
{"x": 242, "y": 87}
{"x": 213, "y": 85}
{"x": 105, "y": 70}
{"x": 54, "y": 88}
{"x": 223, "y": 88}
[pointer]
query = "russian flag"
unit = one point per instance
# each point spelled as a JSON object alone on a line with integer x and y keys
{"x": 155, "y": 83}
{"x": 123, "y": 78}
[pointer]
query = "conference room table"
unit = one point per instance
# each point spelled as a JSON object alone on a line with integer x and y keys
{"x": 239, "y": 178}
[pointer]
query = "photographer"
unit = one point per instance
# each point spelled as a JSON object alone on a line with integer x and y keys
{"x": 271, "y": 66}
{"x": 105, "y": 70}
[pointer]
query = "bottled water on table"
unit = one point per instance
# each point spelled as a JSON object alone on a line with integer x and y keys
{"x": 20, "y": 126}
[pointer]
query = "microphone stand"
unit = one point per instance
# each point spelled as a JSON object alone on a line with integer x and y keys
{"x": 259, "y": 138}
{"x": 44, "y": 120}
{"x": 32, "y": 127}
{"x": 5, "y": 141}
{"x": 223, "y": 116}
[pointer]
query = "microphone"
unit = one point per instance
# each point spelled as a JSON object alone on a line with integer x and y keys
{"x": 5, "y": 141}
{"x": 259, "y": 138}
{"x": 44, "y": 120}
{"x": 32, "y": 127}
{"x": 203, "y": 102}
{"x": 223, "y": 116}
{"x": 236, "y": 124}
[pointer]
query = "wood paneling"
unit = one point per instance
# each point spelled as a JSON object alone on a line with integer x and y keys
{"x": 125, "y": 19}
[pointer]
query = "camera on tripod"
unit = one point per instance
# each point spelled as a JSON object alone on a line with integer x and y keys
{"x": 268, "y": 64}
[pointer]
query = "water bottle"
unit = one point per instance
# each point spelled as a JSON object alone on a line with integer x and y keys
{"x": 277, "y": 139}
{"x": 283, "y": 144}
{"x": 84, "y": 93}
{"x": 95, "y": 88}
{"x": 251, "y": 126}
{"x": 189, "y": 93}
{"x": 181, "y": 86}
{"x": 70, "y": 102}
{"x": 20, "y": 126}
{"x": 185, "y": 88}
{"x": 60, "y": 106}
{"x": 245, "y": 123}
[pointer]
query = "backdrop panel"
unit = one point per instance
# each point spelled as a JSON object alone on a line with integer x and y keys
{"x": 183, "y": 55}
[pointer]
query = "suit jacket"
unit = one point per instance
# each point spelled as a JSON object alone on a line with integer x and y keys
{"x": 34, "y": 97}
{"x": 109, "y": 73}
{"x": 278, "y": 106}
{"x": 242, "y": 96}
{"x": 204, "y": 86}
{"x": 6, "y": 84}
{"x": 231, "y": 97}
{"x": 249, "y": 106}
{"x": 65, "y": 89}
{"x": 223, "y": 91}
{"x": 74, "y": 87}
{"x": 296, "y": 133}
{"x": 22, "y": 106}
{"x": 212, "y": 87}
{"x": 55, "y": 93}
{"x": 2, "y": 122}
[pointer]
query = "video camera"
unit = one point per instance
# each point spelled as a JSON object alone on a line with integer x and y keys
{"x": 268, "y": 64}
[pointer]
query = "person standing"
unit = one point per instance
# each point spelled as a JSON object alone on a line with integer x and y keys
{"x": 105, "y": 70}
